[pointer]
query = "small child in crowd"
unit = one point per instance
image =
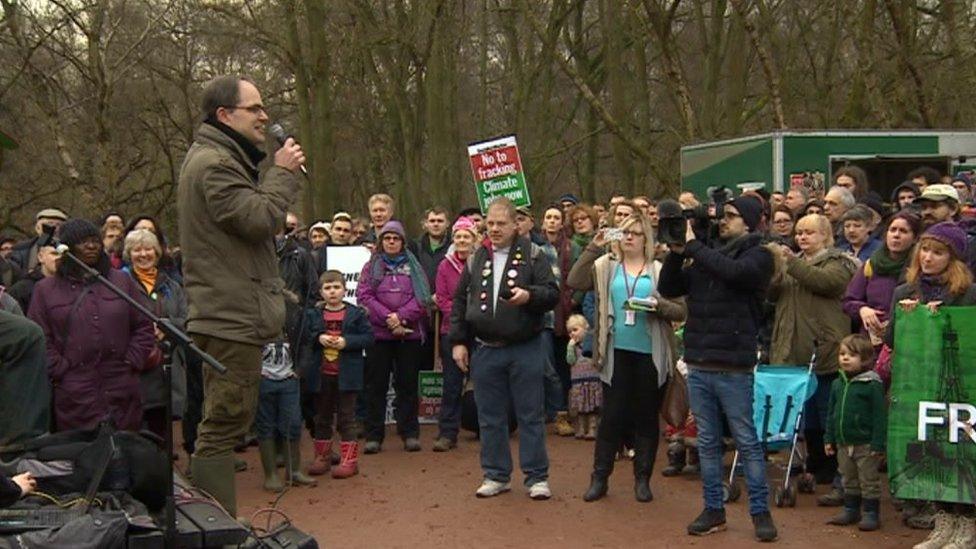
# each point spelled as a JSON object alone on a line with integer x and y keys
{"x": 856, "y": 428}
{"x": 279, "y": 417}
{"x": 340, "y": 332}
{"x": 586, "y": 392}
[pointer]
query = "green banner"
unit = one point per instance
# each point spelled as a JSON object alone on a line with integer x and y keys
{"x": 931, "y": 436}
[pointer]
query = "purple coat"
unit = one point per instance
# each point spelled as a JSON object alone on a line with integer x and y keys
{"x": 448, "y": 276}
{"x": 95, "y": 373}
{"x": 392, "y": 294}
{"x": 874, "y": 292}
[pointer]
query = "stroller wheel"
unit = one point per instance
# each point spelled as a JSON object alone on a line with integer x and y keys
{"x": 807, "y": 484}
{"x": 730, "y": 492}
{"x": 779, "y": 496}
{"x": 789, "y": 497}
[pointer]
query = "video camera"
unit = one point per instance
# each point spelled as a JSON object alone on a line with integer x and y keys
{"x": 673, "y": 218}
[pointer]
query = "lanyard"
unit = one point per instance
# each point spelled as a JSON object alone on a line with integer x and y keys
{"x": 630, "y": 291}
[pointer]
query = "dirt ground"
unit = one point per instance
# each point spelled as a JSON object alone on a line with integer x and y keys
{"x": 402, "y": 499}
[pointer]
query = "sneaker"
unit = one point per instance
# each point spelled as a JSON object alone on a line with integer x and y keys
{"x": 444, "y": 444}
{"x": 371, "y": 447}
{"x": 490, "y": 488}
{"x": 708, "y": 522}
{"x": 540, "y": 490}
{"x": 411, "y": 445}
{"x": 765, "y": 529}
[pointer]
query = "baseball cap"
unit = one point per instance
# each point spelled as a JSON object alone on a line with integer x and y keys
{"x": 524, "y": 210}
{"x": 939, "y": 193}
{"x": 51, "y": 213}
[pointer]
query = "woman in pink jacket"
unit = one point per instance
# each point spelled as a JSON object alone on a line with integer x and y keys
{"x": 465, "y": 238}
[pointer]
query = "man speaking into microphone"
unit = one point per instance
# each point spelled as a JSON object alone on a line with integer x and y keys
{"x": 228, "y": 216}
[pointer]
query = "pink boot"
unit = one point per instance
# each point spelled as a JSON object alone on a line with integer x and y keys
{"x": 323, "y": 458}
{"x": 349, "y": 465}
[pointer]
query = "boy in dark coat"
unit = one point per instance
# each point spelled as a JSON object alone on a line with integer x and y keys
{"x": 338, "y": 334}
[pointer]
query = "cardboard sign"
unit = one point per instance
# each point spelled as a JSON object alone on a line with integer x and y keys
{"x": 497, "y": 170}
{"x": 348, "y": 260}
{"x": 932, "y": 420}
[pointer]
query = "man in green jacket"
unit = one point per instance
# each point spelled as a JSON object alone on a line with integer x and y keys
{"x": 228, "y": 217}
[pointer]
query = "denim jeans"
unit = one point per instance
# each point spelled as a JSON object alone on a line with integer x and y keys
{"x": 279, "y": 411}
{"x": 555, "y": 397}
{"x": 503, "y": 374}
{"x": 713, "y": 394}
{"x": 449, "y": 421}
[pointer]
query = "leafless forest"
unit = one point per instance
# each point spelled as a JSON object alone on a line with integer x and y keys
{"x": 102, "y": 94}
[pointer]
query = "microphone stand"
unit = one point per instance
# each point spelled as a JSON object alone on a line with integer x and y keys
{"x": 179, "y": 337}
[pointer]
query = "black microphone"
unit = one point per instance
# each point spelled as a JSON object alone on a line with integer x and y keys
{"x": 281, "y": 136}
{"x": 671, "y": 225}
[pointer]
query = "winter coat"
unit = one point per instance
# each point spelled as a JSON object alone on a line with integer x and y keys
{"x": 430, "y": 260}
{"x": 504, "y": 324}
{"x": 562, "y": 255}
{"x": 167, "y": 300}
{"x": 724, "y": 288}
{"x": 808, "y": 309}
{"x": 23, "y": 289}
{"x": 393, "y": 293}
{"x": 909, "y": 291}
{"x": 864, "y": 291}
{"x": 9, "y": 491}
{"x": 359, "y": 337}
{"x": 867, "y": 249}
{"x": 95, "y": 353}
{"x": 227, "y": 225}
{"x": 448, "y": 277}
{"x": 856, "y": 411}
{"x": 594, "y": 271}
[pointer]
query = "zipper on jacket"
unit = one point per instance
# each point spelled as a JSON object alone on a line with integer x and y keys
{"x": 843, "y": 410}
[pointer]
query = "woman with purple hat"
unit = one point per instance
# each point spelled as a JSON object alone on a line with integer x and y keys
{"x": 938, "y": 276}
{"x": 396, "y": 293}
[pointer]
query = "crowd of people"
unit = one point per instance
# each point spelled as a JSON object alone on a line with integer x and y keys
{"x": 564, "y": 314}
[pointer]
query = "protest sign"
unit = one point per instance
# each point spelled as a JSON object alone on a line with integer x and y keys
{"x": 497, "y": 170}
{"x": 430, "y": 389}
{"x": 348, "y": 260}
{"x": 931, "y": 440}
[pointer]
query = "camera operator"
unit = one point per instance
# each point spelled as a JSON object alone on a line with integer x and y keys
{"x": 724, "y": 286}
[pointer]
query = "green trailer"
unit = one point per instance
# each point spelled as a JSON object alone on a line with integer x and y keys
{"x": 780, "y": 160}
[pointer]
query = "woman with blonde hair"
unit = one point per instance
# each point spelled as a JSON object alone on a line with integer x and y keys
{"x": 807, "y": 290}
{"x": 937, "y": 276}
{"x": 633, "y": 346}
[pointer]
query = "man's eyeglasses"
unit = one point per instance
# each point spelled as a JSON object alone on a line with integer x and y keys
{"x": 253, "y": 109}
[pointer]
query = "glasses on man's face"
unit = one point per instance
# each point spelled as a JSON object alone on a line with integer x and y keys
{"x": 391, "y": 238}
{"x": 729, "y": 216}
{"x": 253, "y": 109}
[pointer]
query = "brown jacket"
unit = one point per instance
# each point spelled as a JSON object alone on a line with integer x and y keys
{"x": 227, "y": 226}
{"x": 808, "y": 308}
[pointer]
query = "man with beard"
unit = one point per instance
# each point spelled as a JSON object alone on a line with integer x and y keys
{"x": 228, "y": 216}
{"x": 940, "y": 203}
{"x": 725, "y": 287}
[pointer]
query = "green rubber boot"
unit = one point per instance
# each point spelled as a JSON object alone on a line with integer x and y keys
{"x": 293, "y": 470}
{"x": 272, "y": 482}
{"x": 215, "y": 476}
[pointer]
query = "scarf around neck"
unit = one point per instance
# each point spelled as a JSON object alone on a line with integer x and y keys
{"x": 882, "y": 263}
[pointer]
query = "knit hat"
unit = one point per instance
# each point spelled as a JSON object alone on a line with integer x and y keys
{"x": 465, "y": 224}
{"x": 950, "y": 234}
{"x": 394, "y": 227}
{"x": 568, "y": 197}
{"x": 51, "y": 213}
{"x": 939, "y": 193}
{"x": 73, "y": 231}
{"x": 320, "y": 226}
{"x": 750, "y": 208}
{"x": 873, "y": 201}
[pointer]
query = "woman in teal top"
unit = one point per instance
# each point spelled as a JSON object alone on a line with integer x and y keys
{"x": 633, "y": 347}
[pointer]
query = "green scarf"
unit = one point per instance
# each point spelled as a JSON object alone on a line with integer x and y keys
{"x": 882, "y": 264}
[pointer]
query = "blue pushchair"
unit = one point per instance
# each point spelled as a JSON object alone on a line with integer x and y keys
{"x": 779, "y": 394}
